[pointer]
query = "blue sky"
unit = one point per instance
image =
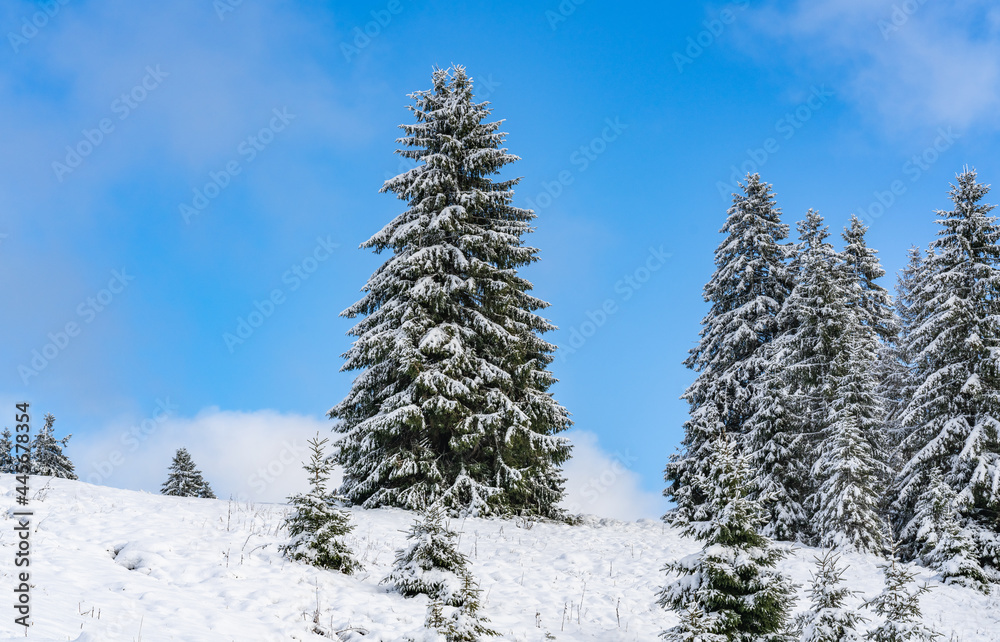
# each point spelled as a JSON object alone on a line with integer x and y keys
{"x": 275, "y": 124}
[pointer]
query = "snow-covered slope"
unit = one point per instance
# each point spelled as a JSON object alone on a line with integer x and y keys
{"x": 113, "y": 565}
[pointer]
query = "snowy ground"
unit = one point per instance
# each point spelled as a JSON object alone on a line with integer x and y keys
{"x": 113, "y": 565}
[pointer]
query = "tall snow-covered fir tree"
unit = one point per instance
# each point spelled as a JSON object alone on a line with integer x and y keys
{"x": 796, "y": 408}
{"x": 941, "y": 541}
{"x": 875, "y": 311}
{"x": 828, "y": 618}
{"x": 184, "y": 479}
{"x": 911, "y": 295}
{"x": 746, "y": 292}
{"x": 452, "y": 407}
{"x": 47, "y": 457}
{"x": 730, "y": 588}
{"x": 873, "y": 304}
{"x": 7, "y": 464}
{"x": 953, "y": 417}
{"x": 897, "y": 371}
{"x": 317, "y": 526}
{"x": 849, "y": 471}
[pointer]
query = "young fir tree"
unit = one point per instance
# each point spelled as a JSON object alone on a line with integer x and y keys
{"x": 695, "y": 626}
{"x": 451, "y": 407}
{"x": 750, "y": 283}
{"x": 462, "y": 623}
{"x": 796, "y": 409}
{"x": 317, "y": 526}
{"x": 7, "y": 464}
{"x": 849, "y": 472}
{"x": 432, "y": 565}
{"x": 828, "y": 619}
{"x": 732, "y": 580}
{"x": 899, "y": 606}
{"x": 941, "y": 542}
{"x": 954, "y": 414}
{"x": 47, "y": 456}
{"x": 185, "y": 479}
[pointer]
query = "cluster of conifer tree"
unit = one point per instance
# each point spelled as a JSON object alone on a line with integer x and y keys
{"x": 430, "y": 564}
{"x": 731, "y": 590}
{"x": 46, "y": 454}
{"x": 853, "y": 408}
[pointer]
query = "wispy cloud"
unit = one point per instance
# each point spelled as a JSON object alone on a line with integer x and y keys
{"x": 218, "y": 79}
{"x": 909, "y": 64}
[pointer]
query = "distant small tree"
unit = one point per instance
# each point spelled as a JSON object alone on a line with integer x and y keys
{"x": 185, "y": 479}
{"x": 432, "y": 565}
{"x": 318, "y": 526}
{"x": 828, "y": 620}
{"x": 899, "y": 605}
{"x": 7, "y": 464}
{"x": 47, "y": 457}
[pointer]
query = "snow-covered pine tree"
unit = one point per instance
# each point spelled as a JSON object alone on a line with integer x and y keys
{"x": 795, "y": 409}
{"x": 873, "y": 304}
{"x": 695, "y": 626}
{"x": 953, "y": 418}
{"x": 732, "y": 580}
{"x": 779, "y": 452}
{"x": 47, "y": 457}
{"x": 750, "y": 283}
{"x": 184, "y": 479}
{"x": 911, "y": 296}
{"x": 465, "y": 623}
{"x": 850, "y": 473}
{"x": 432, "y": 565}
{"x": 897, "y": 363}
{"x": 828, "y": 619}
{"x": 874, "y": 310}
{"x": 317, "y": 526}
{"x": 941, "y": 541}
{"x": 7, "y": 464}
{"x": 899, "y": 605}
{"x": 451, "y": 407}
{"x": 435, "y": 619}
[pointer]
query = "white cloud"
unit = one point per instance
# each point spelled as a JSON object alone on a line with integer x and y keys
{"x": 603, "y": 484}
{"x": 252, "y": 455}
{"x": 910, "y": 63}
{"x": 258, "y": 456}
